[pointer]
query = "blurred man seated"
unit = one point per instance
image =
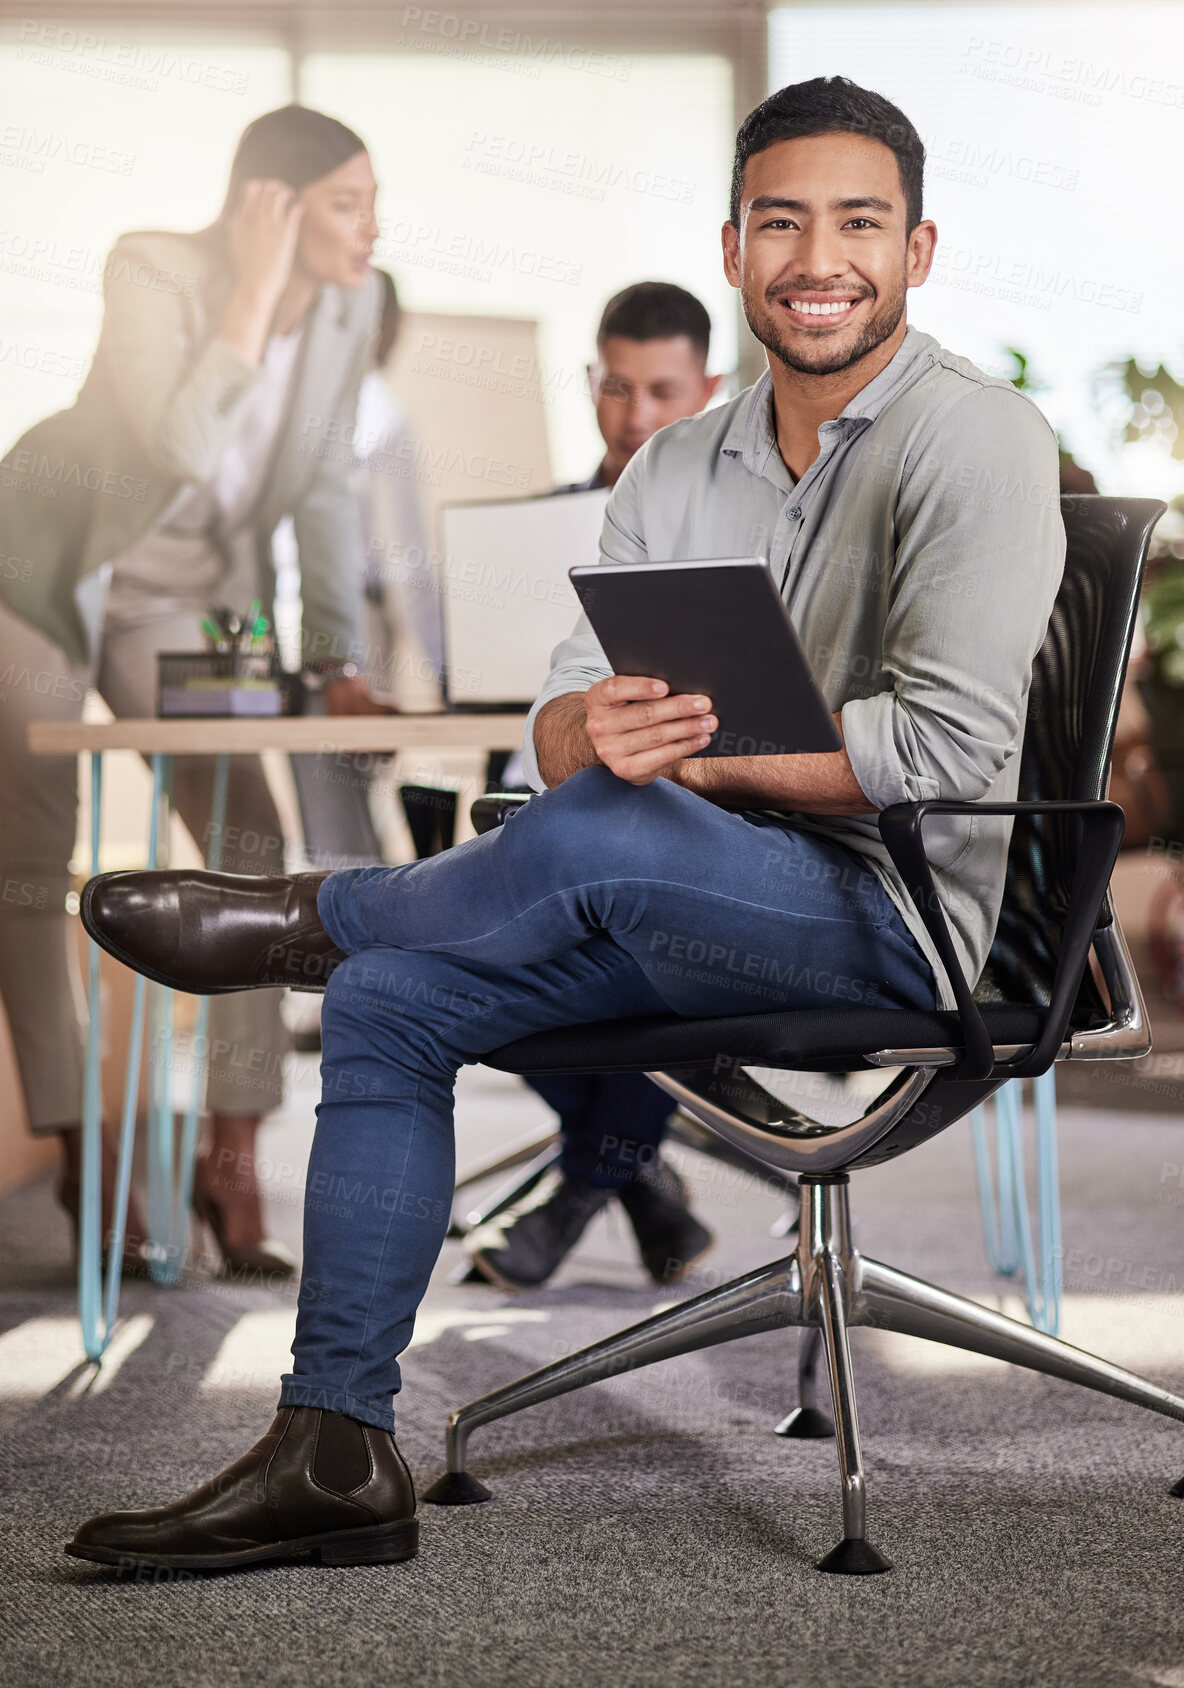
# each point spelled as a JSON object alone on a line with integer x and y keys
{"x": 650, "y": 369}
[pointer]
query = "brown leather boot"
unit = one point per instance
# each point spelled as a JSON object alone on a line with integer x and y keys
{"x": 317, "y": 1486}
{"x": 213, "y": 932}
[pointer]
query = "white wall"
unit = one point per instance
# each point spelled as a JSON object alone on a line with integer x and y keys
{"x": 1055, "y": 136}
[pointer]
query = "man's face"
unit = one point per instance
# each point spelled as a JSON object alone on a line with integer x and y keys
{"x": 641, "y": 385}
{"x": 823, "y": 256}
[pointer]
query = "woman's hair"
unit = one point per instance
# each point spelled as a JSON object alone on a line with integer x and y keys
{"x": 295, "y": 145}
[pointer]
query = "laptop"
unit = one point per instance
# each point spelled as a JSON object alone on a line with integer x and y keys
{"x": 506, "y": 599}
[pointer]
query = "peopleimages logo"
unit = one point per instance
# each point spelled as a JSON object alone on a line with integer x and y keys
{"x": 1062, "y": 74}
{"x": 474, "y": 256}
{"x": 38, "y": 466}
{"x": 541, "y": 164}
{"x": 426, "y": 27}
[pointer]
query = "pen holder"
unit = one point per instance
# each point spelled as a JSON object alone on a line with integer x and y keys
{"x": 225, "y": 683}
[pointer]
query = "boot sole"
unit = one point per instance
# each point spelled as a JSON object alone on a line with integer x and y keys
{"x": 169, "y": 981}
{"x": 386, "y": 1544}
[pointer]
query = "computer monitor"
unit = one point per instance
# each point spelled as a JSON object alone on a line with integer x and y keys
{"x": 506, "y": 600}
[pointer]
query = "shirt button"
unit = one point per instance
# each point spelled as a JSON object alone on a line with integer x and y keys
{"x": 795, "y": 513}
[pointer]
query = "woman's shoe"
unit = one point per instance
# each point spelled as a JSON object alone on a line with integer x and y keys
{"x": 266, "y": 1256}
{"x": 68, "y": 1191}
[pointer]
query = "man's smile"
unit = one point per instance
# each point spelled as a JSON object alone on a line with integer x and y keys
{"x": 819, "y": 310}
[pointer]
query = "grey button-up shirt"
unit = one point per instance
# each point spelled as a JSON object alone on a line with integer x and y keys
{"x": 919, "y": 557}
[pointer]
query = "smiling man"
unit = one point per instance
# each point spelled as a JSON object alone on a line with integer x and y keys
{"x": 907, "y": 504}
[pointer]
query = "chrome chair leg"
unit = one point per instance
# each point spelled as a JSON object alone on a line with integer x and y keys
{"x": 523, "y": 1149}
{"x": 830, "y": 1270}
{"x": 891, "y": 1300}
{"x": 854, "y": 1556}
{"x": 807, "y": 1422}
{"x": 529, "y": 1174}
{"x": 768, "y": 1299}
{"x": 523, "y": 1181}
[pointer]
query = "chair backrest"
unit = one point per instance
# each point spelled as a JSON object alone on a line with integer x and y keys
{"x": 1077, "y": 682}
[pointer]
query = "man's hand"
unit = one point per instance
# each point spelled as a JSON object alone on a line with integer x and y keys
{"x": 352, "y": 696}
{"x": 639, "y": 731}
{"x": 624, "y": 722}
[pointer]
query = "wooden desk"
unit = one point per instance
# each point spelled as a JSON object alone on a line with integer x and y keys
{"x": 328, "y": 734}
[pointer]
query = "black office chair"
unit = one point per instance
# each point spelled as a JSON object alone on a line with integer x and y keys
{"x": 1036, "y": 1002}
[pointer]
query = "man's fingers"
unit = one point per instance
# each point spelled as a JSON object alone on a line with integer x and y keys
{"x": 624, "y": 688}
{"x": 662, "y": 735}
{"x": 644, "y": 724}
{"x": 634, "y": 764}
{"x": 629, "y": 714}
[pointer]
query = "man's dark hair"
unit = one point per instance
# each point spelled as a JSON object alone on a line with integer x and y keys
{"x": 656, "y": 310}
{"x": 828, "y": 105}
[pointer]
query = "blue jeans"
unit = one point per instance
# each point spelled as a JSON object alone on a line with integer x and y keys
{"x": 610, "y": 1124}
{"x": 596, "y": 900}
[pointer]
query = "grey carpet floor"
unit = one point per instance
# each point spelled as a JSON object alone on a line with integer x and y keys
{"x": 651, "y": 1530}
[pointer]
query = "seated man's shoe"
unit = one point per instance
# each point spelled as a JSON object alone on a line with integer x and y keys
{"x": 317, "y": 1486}
{"x": 521, "y": 1247}
{"x": 213, "y": 932}
{"x": 669, "y": 1236}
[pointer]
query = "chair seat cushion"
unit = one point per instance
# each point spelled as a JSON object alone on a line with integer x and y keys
{"x": 803, "y": 1040}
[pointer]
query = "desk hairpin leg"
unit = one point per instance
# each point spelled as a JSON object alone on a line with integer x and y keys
{"x": 90, "y": 1224}
{"x": 1006, "y": 1224}
{"x": 173, "y": 1263}
{"x": 170, "y": 1174}
{"x": 98, "y": 1299}
{"x": 162, "y": 1262}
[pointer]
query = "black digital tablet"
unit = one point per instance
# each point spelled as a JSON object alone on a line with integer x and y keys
{"x": 718, "y": 627}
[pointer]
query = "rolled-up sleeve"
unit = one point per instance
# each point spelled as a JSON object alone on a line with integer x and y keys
{"x": 579, "y": 661}
{"x": 979, "y": 557}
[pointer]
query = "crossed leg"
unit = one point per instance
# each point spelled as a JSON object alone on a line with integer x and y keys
{"x": 597, "y": 900}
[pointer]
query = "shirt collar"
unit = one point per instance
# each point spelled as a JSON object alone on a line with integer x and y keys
{"x": 751, "y": 436}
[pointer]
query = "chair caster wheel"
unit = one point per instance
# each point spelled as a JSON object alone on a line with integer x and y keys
{"x": 854, "y": 1558}
{"x": 456, "y": 1488}
{"x": 805, "y": 1424}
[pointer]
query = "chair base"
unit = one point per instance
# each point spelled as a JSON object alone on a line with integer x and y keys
{"x": 853, "y": 1558}
{"x": 456, "y": 1488}
{"x": 805, "y": 1424}
{"x": 824, "y": 1287}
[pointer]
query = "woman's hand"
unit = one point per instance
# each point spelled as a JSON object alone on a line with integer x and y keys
{"x": 352, "y": 696}
{"x": 262, "y": 239}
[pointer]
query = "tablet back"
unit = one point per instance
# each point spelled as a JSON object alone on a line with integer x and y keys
{"x": 718, "y": 627}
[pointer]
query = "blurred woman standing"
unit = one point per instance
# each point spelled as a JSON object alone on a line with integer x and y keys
{"x": 221, "y": 397}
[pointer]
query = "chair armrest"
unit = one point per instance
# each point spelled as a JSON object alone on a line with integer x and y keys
{"x": 490, "y": 811}
{"x": 1101, "y": 828}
